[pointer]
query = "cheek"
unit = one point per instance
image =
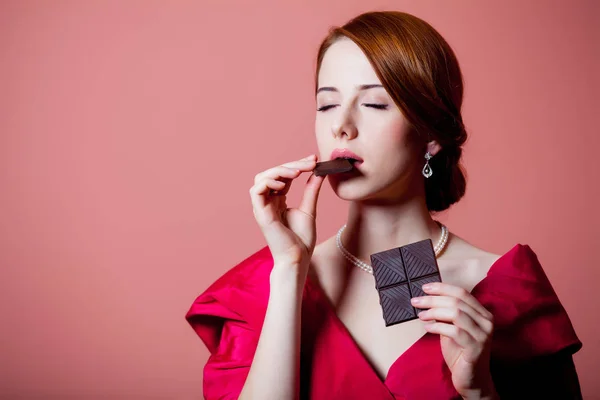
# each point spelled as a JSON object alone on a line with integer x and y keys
{"x": 320, "y": 126}
{"x": 397, "y": 130}
{"x": 391, "y": 135}
{"x": 321, "y": 134}
{"x": 392, "y": 148}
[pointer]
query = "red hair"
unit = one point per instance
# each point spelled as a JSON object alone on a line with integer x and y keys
{"x": 420, "y": 72}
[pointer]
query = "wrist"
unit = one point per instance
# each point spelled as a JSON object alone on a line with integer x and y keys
{"x": 287, "y": 277}
{"x": 481, "y": 396}
{"x": 487, "y": 392}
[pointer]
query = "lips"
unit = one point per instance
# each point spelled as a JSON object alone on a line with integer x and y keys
{"x": 345, "y": 153}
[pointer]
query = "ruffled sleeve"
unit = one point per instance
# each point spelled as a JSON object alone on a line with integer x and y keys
{"x": 533, "y": 338}
{"x": 228, "y": 318}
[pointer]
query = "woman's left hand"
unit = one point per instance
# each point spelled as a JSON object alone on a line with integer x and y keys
{"x": 465, "y": 328}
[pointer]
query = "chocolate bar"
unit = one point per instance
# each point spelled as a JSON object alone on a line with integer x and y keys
{"x": 399, "y": 275}
{"x": 333, "y": 166}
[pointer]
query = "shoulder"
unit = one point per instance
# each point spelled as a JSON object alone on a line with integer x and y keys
{"x": 518, "y": 293}
{"x": 464, "y": 264}
{"x": 520, "y": 265}
{"x": 515, "y": 289}
{"x": 227, "y": 317}
{"x": 251, "y": 274}
{"x": 240, "y": 294}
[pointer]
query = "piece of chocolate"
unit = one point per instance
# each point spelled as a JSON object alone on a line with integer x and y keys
{"x": 333, "y": 166}
{"x": 399, "y": 275}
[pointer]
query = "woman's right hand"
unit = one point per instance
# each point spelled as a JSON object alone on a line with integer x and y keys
{"x": 290, "y": 232}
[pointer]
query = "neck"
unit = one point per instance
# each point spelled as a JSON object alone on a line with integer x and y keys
{"x": 372, "y": 228}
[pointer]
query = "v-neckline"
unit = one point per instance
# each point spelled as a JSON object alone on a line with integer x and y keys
{"x": 339, "y": 324}
{"x": 341, "y": 327}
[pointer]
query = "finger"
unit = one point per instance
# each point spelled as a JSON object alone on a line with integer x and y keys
{"x": 431, "y": 302}
{"x": 310, "y": 197}
{"x": 283, "y": 174}
{"x": 257, "y": 191}
{"x": 461, "y": 337}
{"x": 277, "y": 172}
{"x": 301, "y": 164}
{"x": 457, "y": 317}
{"x": 458, "y": 292}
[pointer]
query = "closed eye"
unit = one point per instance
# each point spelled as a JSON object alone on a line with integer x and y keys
{"x": 325, "y": 108}
{"x": 377, "y": 106}
{"x": 372, "y": 105}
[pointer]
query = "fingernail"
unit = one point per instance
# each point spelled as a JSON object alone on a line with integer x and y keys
{"x": 415, "y": 300}
{"x": 427, "y": 286}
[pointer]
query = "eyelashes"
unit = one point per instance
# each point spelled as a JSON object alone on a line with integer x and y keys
{"x": 325, "y": 108}
{"x": 371, "y": 105}
{"x": 377, "y": 106}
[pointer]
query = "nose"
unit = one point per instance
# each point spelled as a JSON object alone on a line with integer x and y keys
{"x": 344, "y": 126}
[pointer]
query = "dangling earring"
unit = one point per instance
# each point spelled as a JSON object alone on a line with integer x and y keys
{"x": 427, "y": 171}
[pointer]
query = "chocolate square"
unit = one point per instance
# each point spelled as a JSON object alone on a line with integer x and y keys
{"x": 416, "y": 285}
{"x": 399, "y": 274}
{"x": 395, "y": 303}
{"x": 388, "y": 268}
{"x": 334, "y": 166}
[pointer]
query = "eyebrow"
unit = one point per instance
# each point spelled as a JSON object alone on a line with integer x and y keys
{"x": 361, "y": 87}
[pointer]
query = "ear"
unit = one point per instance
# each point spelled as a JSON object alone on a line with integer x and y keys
{"x": 433, "y": 147}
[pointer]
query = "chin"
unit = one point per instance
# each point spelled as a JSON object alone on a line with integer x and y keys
{"x": 363, "y": 190}
{"x": 350, "y": 190}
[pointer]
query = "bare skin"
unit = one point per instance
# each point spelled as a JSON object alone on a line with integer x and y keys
{"x": 387, "y": 209}
{"x": 350, "y": 291}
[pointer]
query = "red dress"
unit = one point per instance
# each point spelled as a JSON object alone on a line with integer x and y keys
{"x": 532, "y": 344}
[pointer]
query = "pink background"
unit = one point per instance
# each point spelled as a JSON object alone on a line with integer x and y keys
{"x": 118, "y": 207}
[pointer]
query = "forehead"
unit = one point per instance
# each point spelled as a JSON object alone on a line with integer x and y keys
{"x": 345, "y": 65}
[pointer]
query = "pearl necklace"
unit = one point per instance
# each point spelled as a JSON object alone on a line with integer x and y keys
{"x": 439, "y": 247}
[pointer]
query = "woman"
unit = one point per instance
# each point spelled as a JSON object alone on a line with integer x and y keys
{"x": 298, "y": 319}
